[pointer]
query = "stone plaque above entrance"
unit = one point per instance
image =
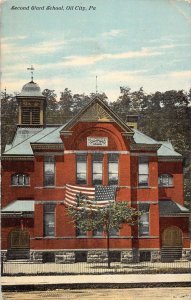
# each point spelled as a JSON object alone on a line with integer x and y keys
{"x": 97, "y": 141}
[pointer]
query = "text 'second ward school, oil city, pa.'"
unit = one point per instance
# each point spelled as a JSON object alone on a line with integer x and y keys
{"x": 46, "y": 165}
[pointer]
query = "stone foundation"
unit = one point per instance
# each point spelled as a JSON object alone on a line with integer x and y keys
{"x": 155, "y": 256}
{"x": 186, "y": 254}
{"x": 65, "y": 257}
{"x": 97, "y": 256}
{"x": 4, "y": 255}
{"x": 127, "y": 256}
{"x": 94, "y": 256}
{"x": 36, "y": 256}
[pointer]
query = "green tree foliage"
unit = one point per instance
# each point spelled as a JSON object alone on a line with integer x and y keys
{"x": 79, "y": 101}
{"x": 65, "y": 105}
{"x": 52, "y": 108}
{"x": 9, "y": 110}
{"x": 86, "y": 217}
{"x": 122, "y": 105}
{"x": 102, "y": 96}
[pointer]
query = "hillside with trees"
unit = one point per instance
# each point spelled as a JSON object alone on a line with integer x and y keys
{"x": 162, "y": 115}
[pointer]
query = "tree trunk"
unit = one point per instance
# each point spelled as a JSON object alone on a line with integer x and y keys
{"x": 108, "y": 237}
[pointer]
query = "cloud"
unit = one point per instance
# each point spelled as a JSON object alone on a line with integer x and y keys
{"x": 3, "y": 1}
{"x": 22, "y": 62}
{"x": 119, "y": 76}
{"x": 180, "y": 10}
{"x": 13, "y": 38}
{"x": 113, "y": 33}
{"x": 46, "y": 47}
{"x": 189, "y": 1}
{"x": 185, "y": 74}
{"x": 79, "y": 60}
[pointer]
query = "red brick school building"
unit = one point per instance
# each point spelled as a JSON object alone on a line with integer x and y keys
{"x": 95, "y": 148}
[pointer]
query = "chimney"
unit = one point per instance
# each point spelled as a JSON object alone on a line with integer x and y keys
{"x": 132, "y": 121}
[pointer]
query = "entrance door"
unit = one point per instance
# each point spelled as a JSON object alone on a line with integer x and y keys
{"x": 172, "y": 237}
{"x": 19, "y": 244}
{"x": 19, "y": 239}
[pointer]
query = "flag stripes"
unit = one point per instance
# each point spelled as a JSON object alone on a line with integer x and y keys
{"x": 92, "y": 197}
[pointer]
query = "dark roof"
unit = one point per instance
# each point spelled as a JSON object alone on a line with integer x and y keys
{"x": 169, "y": 207}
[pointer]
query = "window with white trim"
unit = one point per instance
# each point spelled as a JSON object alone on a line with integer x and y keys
{"x": 143, "y": 179}
{"x": 49, "y": 171}
{"x": 49, "y": 219}
{"x": 81, "y": 169}
{"x": 113, "y": 166}
{"x": 165, "y": 180}
{"x": 20, "y": 179}
{"x": 97, "y": 168}
{"x": 144, "y": 226}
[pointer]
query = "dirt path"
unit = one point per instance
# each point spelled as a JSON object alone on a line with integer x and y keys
{"x": 104, "y": 294}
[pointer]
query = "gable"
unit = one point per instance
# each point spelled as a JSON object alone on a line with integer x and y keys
{"x": 97, "y": 111}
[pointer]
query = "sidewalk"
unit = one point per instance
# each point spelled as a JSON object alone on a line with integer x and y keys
{"x": 94, "y": 281}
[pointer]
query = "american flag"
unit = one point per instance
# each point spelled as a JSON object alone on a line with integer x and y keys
{"x": 94, "y": 197}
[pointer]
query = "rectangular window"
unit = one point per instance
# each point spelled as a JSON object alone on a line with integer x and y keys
{"x": 79, "y": 231}
{"x": 165, "y": 180}
{"x": 35, "y": 112}
{"x": 49, "y": 219}
{"x": 143, "y": 171}
{"x": 81, "y": 169}
{"x": 113, "y": 232}
{"x": 49, "y": 171}
{"x": 26, "y": 115}
{"x": 144, "y": 220}
{"x": 31, "y": 115}
{"x": 97, "y": 168}
{"x": 98, "y": 231}
{"x": 113, "y": 162}
{"x": 20, "y": 179}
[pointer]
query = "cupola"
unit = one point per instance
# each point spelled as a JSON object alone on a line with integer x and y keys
{"x": 32, "y": 105}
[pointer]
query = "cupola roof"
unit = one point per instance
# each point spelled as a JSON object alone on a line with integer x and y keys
{"x": 31, "y": 89}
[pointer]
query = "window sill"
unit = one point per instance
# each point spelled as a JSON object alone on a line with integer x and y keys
{"x": 147, "y": 237}
{"x": 166, "y": 186}
{"x": 20, "y": 185}
{"x": 143, "y": 187}
{"x": 49, "y": 187}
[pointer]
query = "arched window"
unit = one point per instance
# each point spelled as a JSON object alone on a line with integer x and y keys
{"x": 20, "y": 179}
{"x": 165, "y": 180}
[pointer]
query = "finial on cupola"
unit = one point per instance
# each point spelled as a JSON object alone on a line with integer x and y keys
{"x": 31, "y": 69}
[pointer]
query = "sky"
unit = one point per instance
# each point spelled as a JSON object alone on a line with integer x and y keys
{"x": 134, "y": 43}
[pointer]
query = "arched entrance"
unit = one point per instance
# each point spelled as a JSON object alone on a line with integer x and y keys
{"x": 18, "y": 244}
{"x": 171, "y": 244}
